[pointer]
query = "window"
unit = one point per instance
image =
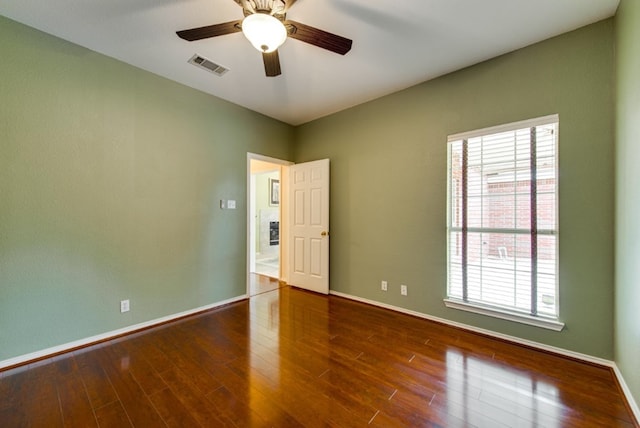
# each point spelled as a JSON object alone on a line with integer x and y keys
{"x": 502, "y": 222}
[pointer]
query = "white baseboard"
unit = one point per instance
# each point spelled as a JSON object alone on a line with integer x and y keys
{"x": 560, "y": 351}
{"x": 111, "y": 334}
{"x": 627, "y": 393}
{"x": 115, "y": 333}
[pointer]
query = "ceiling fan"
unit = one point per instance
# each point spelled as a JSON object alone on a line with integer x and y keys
{"x": 266, "y": 26}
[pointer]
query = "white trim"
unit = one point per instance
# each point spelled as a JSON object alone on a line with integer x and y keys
{"x": 627, "y": 393}
{"x": 283, "y": 221}
{"x": 485, "y": 308}
{"x": 538, "y": 121}
{"x": 115, "y": 333}
{"x": 560, "y": 351}
{"x": 505, "y": 315}
{"x": 525, "y": 342}
{"x": 111, "y": 334}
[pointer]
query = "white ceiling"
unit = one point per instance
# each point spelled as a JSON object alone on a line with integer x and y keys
{"x": 396, "y": 43}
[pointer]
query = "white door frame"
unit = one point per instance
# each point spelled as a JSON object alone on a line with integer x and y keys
{"x": 284, "y": 215}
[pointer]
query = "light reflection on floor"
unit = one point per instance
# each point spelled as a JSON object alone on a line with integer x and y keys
{"x": 474, "y": 381}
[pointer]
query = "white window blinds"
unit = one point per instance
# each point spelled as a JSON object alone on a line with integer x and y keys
{"x": 502, "y": 217}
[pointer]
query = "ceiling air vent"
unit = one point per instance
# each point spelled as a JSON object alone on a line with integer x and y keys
{"x": 202, "y": 62}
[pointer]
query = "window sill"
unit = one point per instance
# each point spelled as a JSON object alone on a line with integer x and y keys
{"x": 505, "y": 315}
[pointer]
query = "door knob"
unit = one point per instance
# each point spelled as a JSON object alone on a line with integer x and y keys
{"x": 324, "y": 233}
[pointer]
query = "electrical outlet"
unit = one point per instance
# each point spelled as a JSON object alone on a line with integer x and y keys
{"x": 383, "y": 285}
{"x": 403, "y": 290}
{"x": 231, "y": 204}
{"x": 124, "y": 306}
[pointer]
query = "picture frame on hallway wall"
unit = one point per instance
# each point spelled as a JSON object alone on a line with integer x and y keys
{"x": 274, "y": 192}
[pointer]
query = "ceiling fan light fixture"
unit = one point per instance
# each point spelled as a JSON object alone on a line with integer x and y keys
{"x": 265, "y": 32}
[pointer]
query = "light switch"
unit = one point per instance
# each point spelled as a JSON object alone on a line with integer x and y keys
{"x": 223, "y": 204}
{"x": 231, "y": 204}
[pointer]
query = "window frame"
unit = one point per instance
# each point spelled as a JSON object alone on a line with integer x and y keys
{"x": 539, "y": 320}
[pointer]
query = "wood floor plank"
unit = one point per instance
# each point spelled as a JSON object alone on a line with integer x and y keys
{"x": 190, "y": 359}
{"x": 146, "y": 376}
{"x": 290, "y": 358}
{"x": 15, "y": 397}
{"x": 112, "y": 415}
{"x": 235, "y": 409}
{"x": 302, "y": 396}
{"x": 264, "y": 394}
{"x": 318, "y": 403}
{"x": 249, "y": 390}
{"x": 158, "y": 359}
{"x": 172, "y": 411}
{"x": 96, "y": 381}
{"x": 43, "y": 405}
{"x": 77, "y": 410}
{"x": 193, "y": 399}
{"x": 135, "y": 402}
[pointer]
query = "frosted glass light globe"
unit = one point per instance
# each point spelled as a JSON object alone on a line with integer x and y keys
{"x": 265, "y": 32}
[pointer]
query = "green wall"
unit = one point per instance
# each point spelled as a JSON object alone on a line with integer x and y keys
{"x": 110, "y": 179}
{"x": 627, "y": 321}
{"x": 388, "y": 175}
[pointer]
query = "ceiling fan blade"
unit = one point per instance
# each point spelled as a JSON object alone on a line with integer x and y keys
{"x": 317, "y": 37}
{"x": 271, "y": 64}
{"x": 288, "y": 5}
{"x": 246, "y": 5}
{"x": 210, "y": 31}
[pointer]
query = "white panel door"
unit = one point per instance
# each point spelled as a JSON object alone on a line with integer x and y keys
{"x": 309, "y": 225}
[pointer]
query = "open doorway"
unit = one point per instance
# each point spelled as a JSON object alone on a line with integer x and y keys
{"x": 266, "y": 178}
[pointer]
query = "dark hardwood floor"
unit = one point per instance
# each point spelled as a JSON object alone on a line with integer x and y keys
{"x": 259, "y": 284}
{"x": 289, "y": 358}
